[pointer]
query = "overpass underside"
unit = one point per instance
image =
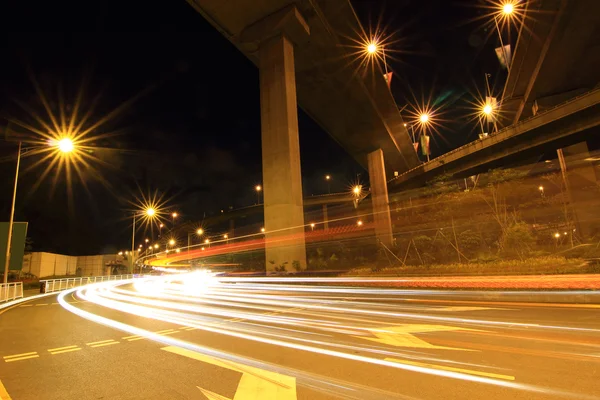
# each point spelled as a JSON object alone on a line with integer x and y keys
{"x": 306, "y": 52}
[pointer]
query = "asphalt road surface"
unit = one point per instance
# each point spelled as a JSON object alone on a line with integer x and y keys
{"x": 197, "y": 337}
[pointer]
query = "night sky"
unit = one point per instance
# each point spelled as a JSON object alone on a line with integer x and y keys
{"x": 188, "y": 124}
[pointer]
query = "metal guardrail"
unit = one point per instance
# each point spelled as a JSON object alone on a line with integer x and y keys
{"x": 56, "y": 285}
{"x": 11, "y": 291}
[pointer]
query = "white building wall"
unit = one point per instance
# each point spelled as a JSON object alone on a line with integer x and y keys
{"x": 43, "y": 264}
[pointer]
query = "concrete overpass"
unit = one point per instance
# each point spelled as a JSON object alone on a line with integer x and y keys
{"x": 353, "y": 105}
{"x": 306, "y": 54}
{"x": 554, "y": 128}
{"x": 549, "y": 101}
{"x": 557, "y": 57}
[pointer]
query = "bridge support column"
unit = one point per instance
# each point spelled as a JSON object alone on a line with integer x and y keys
{"x": 325, "y": 218}
{"x": 283, "y": 204}
{"x": 379, "y": 198}
{"x": 580, "y": 181}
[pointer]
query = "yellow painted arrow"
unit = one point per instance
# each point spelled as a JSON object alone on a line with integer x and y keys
{"x": 255, "y": 384}
{"x": 401, "y": 336}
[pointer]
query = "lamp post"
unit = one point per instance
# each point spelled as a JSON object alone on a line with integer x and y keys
{"x": 150, "y": 213}
{"x": 258, "y": 189}
{"x": 64, "y": 146}
{"x": 328, "y": 179}
{"x": 198, "y": 232}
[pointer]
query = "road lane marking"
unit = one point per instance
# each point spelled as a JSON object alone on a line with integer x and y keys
{"x": 67, "y": 349}
{"x": 22, "y": 356}
{"x": 130, "y": 337}
{"x": 166, "y": 332}
{"x": 106, "y": 343}
{"x": 99, "y": 341}
{"x": 453, "y": 369}
{"x": 39, "y": 305}
{"x": 255, "y": 383}
{"x": 62, "y": 348}
{"x": 26, "y": 305}
{"x": 402, "y": 335}
{"x": 212, "y": 395}
{"x": 3, "y": 393}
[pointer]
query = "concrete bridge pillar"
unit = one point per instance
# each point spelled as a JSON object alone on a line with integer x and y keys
{"x": 283, "y": 203}
{"x": 379, "y": 198}
{"x": 325, "y": 218}
{"x": 581, "y": 182}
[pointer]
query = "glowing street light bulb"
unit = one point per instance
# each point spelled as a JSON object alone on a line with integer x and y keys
{"x": 151, "y": 212}
{"x": 557, "y": 235}
{"x": 172, "y": 242}
{"x": 156, "y": 246}
{"x": 147, "y": 240}
{"x": 174, "y": 215}
{"x": 327, "y": 177}
{"x": 541, "y": 188}
{"x": 65, "y": 145}
{"x": 487, "y": 109}
{"x": 207, "y": 241}
{"x": 359, "y": 223}
{"x": 262, "y": 230}
{"x": 424, "y": 118}
{"x": 508, "y": 8}
{"x": 258, "y": 188}
{"x": 356, "y": 190}
{"x": 200, "y": 231}
{"x": 225, "y": 236}
{"x": 120, "y": 253}
{"x": 372, "y": 48}
{"x": 161, "y": 225}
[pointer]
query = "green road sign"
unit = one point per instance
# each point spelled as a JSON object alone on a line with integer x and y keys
{"x": 18, "y": 245}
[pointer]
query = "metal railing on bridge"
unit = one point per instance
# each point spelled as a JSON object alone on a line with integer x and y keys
{"x": 56, "y": 285}
{"x": 11, "y": 291}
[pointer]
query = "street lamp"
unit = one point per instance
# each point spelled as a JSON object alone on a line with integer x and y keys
{"x": 148, "y": 212}
{"x": 64, "y": 146}
{"x": 541, "y": 189}
{"x": 262, "y": 230}
{"x": 156, "y": 246}
{"x": 174, "y": 215}
{"x": 328, "y": 179}
{"x": 359, "y": 222}
{"x": 312, "y": 226}
{"x": 424, "y": 118}
{"x": 172, "y": 242}
{"x": 258, "y": 189}
{"x": 356, "y": 190}
{"x": 508, "y": 8}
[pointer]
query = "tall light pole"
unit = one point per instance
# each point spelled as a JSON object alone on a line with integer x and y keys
{"x": 64, "y": 145}
{"x": 328, "y": 179}
{"x": 198, "y": 232}
{"x": 258, "y": 189}
{"x": 507, "y": 11}
{"x": 174, "y": 215}
{"x": 425, "y": 119}
{"x": 150, "y": 213}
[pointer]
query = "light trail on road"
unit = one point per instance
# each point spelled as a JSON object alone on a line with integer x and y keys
{"x": 353, "y": 324}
